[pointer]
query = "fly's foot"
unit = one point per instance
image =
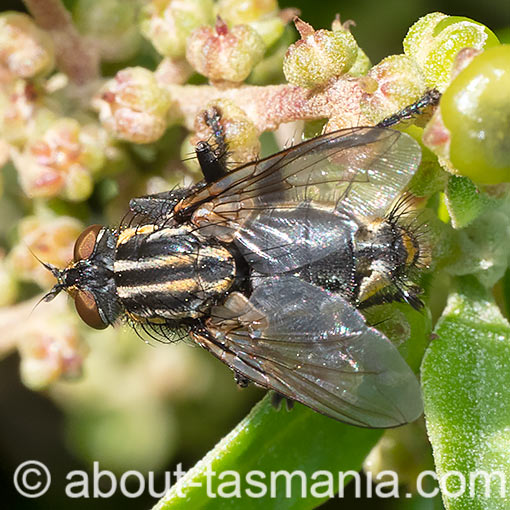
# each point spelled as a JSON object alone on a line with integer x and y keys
{"x": 278, "y": 398}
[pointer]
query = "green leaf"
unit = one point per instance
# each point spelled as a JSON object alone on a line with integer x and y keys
{"x": 464, "y": 201}
{"x": 466, "y": 387}
{"x": 271, "y": 441}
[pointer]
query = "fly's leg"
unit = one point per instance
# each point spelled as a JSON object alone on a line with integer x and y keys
{"x": 211, "y": 163}
{"x": 240, "y": 380}
{"x": 430, "y": 98}
{"x": 213, "y": 158}
{"x": 160, "y": 206}
{"x": 278, "y": 398}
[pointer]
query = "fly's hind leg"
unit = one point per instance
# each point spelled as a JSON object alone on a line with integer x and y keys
{"x": 278, "y": 398}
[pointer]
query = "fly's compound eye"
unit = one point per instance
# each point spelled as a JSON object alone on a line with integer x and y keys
{"x": 88, "y": 310}
{"x": 86, "y": 242}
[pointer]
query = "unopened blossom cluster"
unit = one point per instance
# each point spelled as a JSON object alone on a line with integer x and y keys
{"x": 90, "y": 99}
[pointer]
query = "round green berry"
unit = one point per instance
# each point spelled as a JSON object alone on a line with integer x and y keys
{"x": 476, "y": 110}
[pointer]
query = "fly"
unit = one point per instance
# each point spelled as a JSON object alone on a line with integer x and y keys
{"x": 267, "y": 268}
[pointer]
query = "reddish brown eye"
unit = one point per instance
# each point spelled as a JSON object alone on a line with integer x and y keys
{"x": 87, "y": 309}
{"x": 84, "y": 245}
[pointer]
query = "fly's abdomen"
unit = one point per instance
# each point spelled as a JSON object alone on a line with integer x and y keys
{"x": 170, "y": 273}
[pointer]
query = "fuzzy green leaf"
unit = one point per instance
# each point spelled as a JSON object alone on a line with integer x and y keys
{"x": 271, "y": 441}
{"x": 466, "y": 386}
{"x": 464, "y": 201}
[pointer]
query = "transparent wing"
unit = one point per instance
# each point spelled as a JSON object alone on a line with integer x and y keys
{"x": 358, "y": 170}
{"x": 302, "y": 204}
{"x": 314, "y": 347}
{"x": 282, "y": 239}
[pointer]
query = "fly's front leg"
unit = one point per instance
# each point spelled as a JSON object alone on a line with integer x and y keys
{"x": 429, "y": 99}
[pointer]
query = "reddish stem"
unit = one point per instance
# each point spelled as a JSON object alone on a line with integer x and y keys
{"x": 75, "y": 56}
{"x": 269, "y": 106}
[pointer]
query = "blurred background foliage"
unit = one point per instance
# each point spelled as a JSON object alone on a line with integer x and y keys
{"x": 151, "y": 407}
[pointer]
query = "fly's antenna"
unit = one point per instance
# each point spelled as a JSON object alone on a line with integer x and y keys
{"x": 56, "y": 272}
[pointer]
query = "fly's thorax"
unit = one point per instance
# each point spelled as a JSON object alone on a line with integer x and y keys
{"x": 171, "y": 273}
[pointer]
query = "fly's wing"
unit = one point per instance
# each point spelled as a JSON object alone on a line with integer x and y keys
{"x": 314, "y": 347}
{"x": 282, "y": 238}
{"x": 351, "y": 173}
{"x": 361, "y": 170}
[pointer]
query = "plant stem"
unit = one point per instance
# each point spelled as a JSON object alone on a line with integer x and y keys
{"x": 269, "y": 106}
{"x": 75, "y": 56}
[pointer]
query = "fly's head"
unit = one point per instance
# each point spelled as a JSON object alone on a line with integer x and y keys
{"x": 89, "y": 277}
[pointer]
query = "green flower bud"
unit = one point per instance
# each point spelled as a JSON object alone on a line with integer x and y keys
{"x": 133, "y": 106}
{"x": 237, "y": 12}
{"x": 399, "y": 83}
{"x": 239, "y": 132}
{"x": 224, "y": 54}
{"x": 319, "y": 56}
{"x": 262, "y": 15}
{"x": 434, "y": 41}
{"x": 362, "y": 63}
{"x": 168, "y": 23}
{"x": 269, "y": 29}
{"x": 25, "y": 49}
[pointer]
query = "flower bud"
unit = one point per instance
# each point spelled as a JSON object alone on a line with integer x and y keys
{"x": 318, "y": 56}
{"x": 173, "y": 71}
{"x": 239, "y": 134}
{"x": 434, "y": 41}
{"x": 25, "y": 49}
{"x": 49, "y": 345}
{"x": 112, "y": 24}
{"x": 18, "y": 104}
{"x": 235, "y": 12}
{"x": 48, "y": 239}
{"x": 60, "y": 161}
{"x": 261, "y": 15}
{"x": 362, "y": 63}
{"x": 224, "y": 54}
{"x": 399, "y": 83}
{"x": 133, "y": 106}
{"x": 168, "y": 23}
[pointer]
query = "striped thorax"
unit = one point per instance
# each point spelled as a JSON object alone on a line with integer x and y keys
{"x": 170, "y": 273}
